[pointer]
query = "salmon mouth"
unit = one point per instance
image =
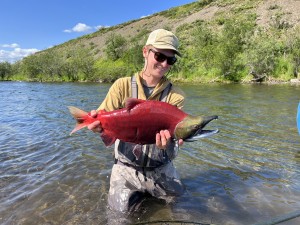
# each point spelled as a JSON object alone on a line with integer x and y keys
{"x": 200, "y": 133}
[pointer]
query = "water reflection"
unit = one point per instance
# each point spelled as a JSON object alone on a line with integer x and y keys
{"x": 247, "y": 173}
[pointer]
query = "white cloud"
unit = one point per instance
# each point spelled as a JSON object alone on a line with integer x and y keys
{"x": 79, "y": 27}
{"x": 13, "y": 45}
{"x": 16, "y": 53}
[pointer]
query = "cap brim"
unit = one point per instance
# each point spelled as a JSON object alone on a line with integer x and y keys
{"x": 167, "y": 47}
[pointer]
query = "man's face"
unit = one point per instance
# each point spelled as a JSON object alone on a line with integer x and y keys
{"x": 158, "y": 61}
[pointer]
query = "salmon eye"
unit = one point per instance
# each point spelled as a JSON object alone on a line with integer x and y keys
{"x": 196, "y": 126}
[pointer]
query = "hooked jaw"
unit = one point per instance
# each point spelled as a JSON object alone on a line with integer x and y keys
{"x": 200, "y": 133}
{"x": 191, "y": 128}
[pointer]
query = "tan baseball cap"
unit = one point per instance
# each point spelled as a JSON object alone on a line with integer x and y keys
{"x": 163, "y": 39}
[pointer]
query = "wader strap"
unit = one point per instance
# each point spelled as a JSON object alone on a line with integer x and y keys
{"x": 134, "y": 89}
{"x": 164, "y": 94}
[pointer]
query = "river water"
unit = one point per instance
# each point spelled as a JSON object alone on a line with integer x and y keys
{"x": 247, "y": 173}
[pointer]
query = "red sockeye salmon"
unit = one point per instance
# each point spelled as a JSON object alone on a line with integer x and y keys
{"x": 140, "y": 120}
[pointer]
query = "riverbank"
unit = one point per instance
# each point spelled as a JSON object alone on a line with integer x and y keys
{"x": 247, "y": 80}
{"x": 295, "y": 81}
{"x": 269, "y": 80}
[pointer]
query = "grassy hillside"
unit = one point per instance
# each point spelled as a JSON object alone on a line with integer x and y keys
{"x": 221, "y": 41}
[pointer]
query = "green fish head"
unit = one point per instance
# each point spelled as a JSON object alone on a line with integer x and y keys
{"x": 191, "y": 127}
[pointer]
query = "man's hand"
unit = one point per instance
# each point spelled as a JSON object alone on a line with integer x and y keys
{"x": 163, "y": 138}
{"x": 95, "y": 126}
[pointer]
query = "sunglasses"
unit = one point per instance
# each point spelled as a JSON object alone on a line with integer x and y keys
{"x": 159, "y": 57}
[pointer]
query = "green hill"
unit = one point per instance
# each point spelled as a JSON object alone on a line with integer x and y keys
{"x": 221, "y": 41}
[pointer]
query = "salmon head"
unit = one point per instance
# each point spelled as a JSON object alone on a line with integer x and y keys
{"x": 191, "y": 128}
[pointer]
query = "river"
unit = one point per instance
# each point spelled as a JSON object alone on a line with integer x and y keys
{"x": 247, "y": 173}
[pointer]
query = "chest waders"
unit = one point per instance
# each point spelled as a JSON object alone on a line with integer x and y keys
{"x": 141, "y": 156}
{"x": 147, "y": 170}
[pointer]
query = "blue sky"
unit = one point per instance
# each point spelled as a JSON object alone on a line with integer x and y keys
{"x": 27, "y": 26}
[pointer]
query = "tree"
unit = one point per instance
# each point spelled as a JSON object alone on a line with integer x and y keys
{"x": 231, "y": 44}
{"x": 79, "y": 64}
{"x": 32, "y": 67}
{"x": 262, "y": 53}
{"x": 5, "y": 70}
{"x": 293, "y": 45}
{"x": 115, "y": 46}
{"x": 133, "y": 57}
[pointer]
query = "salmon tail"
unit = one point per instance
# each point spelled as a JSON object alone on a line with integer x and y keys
{"x": 80, "y": 117}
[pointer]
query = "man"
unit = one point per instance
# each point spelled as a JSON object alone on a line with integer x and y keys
{"x": 140, "y": 170}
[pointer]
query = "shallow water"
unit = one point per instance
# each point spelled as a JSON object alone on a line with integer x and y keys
{"x": 247, "y": 173}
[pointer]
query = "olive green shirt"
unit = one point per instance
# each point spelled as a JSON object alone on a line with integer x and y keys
{"x": 121, "y": 90}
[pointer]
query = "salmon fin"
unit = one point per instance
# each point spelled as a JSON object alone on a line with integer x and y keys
{"x": 78, "y": 127}
{"x": 107, "y": 139}
{"x": 132, "y": 102}
{"x": 79, "y": 115}
{"x": 101, "y": 111}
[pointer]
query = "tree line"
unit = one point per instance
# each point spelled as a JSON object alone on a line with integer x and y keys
{"x": 229, "y": 50}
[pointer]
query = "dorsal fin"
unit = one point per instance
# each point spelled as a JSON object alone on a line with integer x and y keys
{"x": 101, "y": 111}
{"x": 132, "y": 102}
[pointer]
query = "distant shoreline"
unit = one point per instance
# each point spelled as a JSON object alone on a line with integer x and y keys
{"x": 270, "y": 82}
